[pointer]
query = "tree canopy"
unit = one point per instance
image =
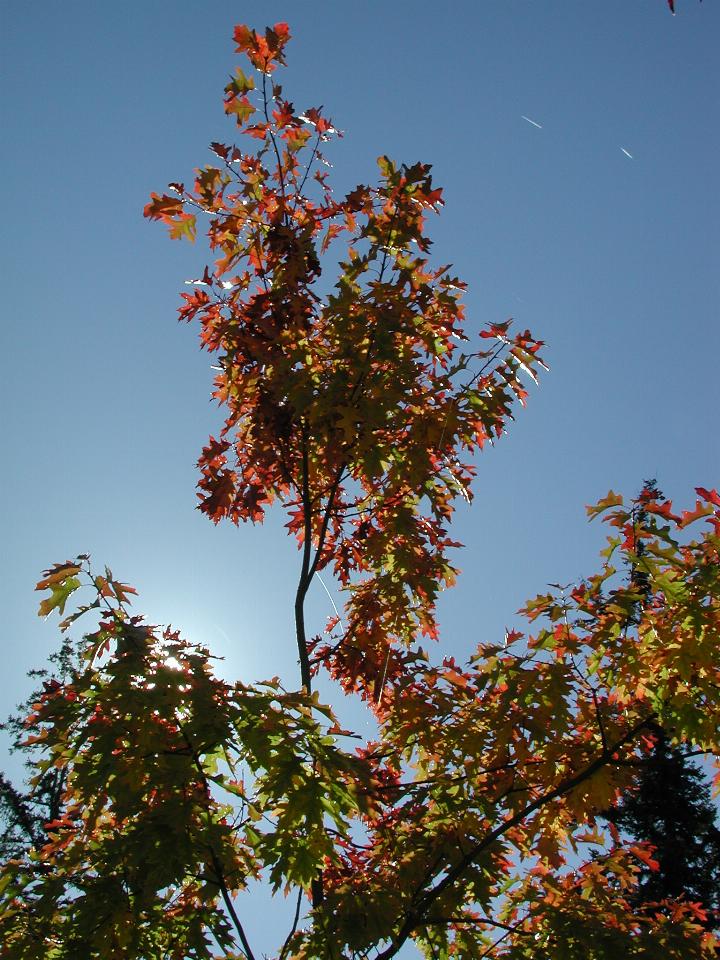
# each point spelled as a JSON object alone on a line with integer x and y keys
{"x": 471, "y": 823}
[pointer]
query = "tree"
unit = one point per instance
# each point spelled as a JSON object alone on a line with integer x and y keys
{"x": 672, "y": 812}
{"x": 471, "y": 823}
{"x": 23, "y": 813}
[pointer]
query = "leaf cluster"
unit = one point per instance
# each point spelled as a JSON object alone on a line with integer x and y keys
{"x": 354, "y": 406}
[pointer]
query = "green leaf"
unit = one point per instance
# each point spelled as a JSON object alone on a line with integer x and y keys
{"x": 241, "y": 84}
{"x": 59, "y": 593}
{"x": 386, "y": 165}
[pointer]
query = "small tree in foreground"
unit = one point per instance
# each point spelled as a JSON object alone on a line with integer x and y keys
{"x": 471, "y": 824}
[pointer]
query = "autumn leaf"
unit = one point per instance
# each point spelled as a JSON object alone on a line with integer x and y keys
{"x": 711, "y": 496}
{"x": 59, "y": 593}
{"x": 611, "y": 500}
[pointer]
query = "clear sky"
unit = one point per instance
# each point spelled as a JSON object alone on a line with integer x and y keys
{"x": 612, "y": 259}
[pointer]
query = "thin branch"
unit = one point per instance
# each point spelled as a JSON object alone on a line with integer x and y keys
{"x": 229, "y": 904}
{"x": 330, "y": 598}
{"x": 325, "y": 523}
{"x": 273, "y": 140}
{"x": 310, "y": 162}
{"x": 598, "y": 715}
{"x": 458, "y": 777}
{"x": 489, "y": 950}
{"x": 477, "y": 921}
{"x": 386, "y": 248}
{"x": 296, "y": 918}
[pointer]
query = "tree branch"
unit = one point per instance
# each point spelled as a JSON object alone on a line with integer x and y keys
{"x": 414, "y": 917}
{"x": 303, "y": 582}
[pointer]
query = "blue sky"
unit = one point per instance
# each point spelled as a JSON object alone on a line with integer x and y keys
{"x": 613, "y": 261}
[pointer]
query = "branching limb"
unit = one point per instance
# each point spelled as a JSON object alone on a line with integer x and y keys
{"x": 220, "y": 878}
{"x": 424, "y": 900}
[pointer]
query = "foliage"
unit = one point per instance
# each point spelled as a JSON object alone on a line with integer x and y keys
{"x": 352, "y": 405}
{"x": 471, "y": 823}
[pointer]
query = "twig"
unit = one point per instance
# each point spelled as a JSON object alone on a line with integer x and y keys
{"x": 289, "y": 937}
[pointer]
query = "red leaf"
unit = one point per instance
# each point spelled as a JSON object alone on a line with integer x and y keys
{"x": 162, "y": 206}
{"x": 318, "y": 121}
{"x": 690, "y": 516}
{"x": 258, "y": 130}
{"x": 243, "y": 36}
{"x": 332, "y": 231}
{"x": 642, "y": 854}
{"x": 262, "y": 51}
{"x": 284, "y": 115}
{"x": 497, "y": 330}
{"x": 712, "y": 496}
{"x": 58, "y": 824}
{"x": 282, "y": 31}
